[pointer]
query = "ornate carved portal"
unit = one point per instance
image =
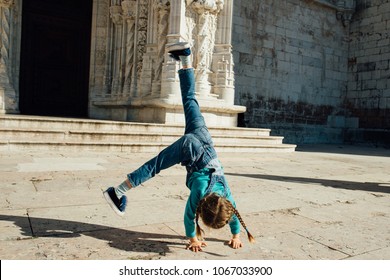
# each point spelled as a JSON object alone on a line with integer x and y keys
{"x": 140, "y": 79}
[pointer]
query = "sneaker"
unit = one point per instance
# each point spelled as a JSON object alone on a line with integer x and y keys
{"x": 178, "y": 49}
{"x": 118, "y": 205}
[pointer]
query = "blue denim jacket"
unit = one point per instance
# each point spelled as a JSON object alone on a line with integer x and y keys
{"x": 199, "y": 150}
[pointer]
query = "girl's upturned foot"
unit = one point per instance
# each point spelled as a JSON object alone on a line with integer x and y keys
{"x": 178, "y": 49}
{"x": 118, "y": 205}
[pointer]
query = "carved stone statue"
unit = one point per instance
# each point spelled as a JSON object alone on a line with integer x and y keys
{"x": 204, "y": 31}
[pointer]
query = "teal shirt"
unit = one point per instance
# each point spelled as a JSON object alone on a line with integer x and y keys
{"x": 197, "y": 183}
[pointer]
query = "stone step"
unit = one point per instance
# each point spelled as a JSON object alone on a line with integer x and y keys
{"x": 26, "y": 133}
{"x": 54, "y": 123}
{"x": 125, "y": 137}
{"x": 15, "y": 145}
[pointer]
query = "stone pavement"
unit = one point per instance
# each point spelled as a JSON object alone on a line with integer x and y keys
{"x": 320, "y": 202}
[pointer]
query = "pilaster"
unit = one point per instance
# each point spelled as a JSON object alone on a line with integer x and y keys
{"x": 8, "y": 98}
{"x": 222, "y": 67}
{"x": 176, "y": 32}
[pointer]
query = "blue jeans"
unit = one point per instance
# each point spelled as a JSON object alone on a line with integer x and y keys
{"x": 194, "y": 149}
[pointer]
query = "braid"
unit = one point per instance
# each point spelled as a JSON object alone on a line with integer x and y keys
{"x": 235, "y": 211}
{"x": 216, "y": 212}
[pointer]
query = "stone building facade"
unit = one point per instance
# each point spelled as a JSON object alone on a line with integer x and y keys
{"x": 313, "y": 71}
{"x": 138, "y": 81}
{"x": 368, "y": 95}
{"x": 131, "y": 77}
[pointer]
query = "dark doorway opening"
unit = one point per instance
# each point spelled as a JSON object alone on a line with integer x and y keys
{"x": 55, "y": 57}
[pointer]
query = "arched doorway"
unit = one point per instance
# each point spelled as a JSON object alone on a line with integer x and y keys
{"x": 55, "y": 56}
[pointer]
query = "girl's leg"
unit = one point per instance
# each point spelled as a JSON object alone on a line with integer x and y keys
{"x": 186, "y": 150}
{"x": 166, "y": 158}
{"x": 192, "y": 113}
{"x": 180, "y": 51}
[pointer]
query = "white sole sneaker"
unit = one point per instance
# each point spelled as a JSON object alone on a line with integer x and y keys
{"x": 178, "y": 46}
{"x": 112, "y": 204}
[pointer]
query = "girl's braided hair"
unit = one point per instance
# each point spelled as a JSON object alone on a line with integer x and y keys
{"x": 216, "y": 212}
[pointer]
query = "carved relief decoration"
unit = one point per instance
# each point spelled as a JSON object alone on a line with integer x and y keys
{"x": 141, "y": 33}
{"x": 136, "y": 58}
{"x": 206, "y": 16}
{"x": 5, "y": 21}
{"x": 8, "y": 100}
{"x": 129, "y": 15}
{"x": 162, "y": 8}
{"x": 6, "y": 3}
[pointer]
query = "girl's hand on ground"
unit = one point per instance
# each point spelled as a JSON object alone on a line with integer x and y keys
{"x": 195, "y": 245}
{"x": 235, "y": 242}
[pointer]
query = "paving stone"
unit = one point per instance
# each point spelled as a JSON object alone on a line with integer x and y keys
{"x": 291, "y": 246}
{"x": 24, "y": 249}
{"x": 349, "y": 237}
{"x": 321, "y": 203}
{"x": 381, "y": 254}
{"x": 14, "y": 225}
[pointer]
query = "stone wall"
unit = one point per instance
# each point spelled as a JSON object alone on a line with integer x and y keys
{"x": 314, "y": 71}
{"x": 368, "y": 96}
{"x": 291, "y": 62}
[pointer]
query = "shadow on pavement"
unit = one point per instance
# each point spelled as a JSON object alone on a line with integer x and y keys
{"x": 362, "y": 150}
{"x": 126, "y": 240}
{"x": 338, "y": 184}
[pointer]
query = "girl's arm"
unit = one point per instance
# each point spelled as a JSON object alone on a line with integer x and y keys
{"x": 235, "y": 227}
{"x": 189, "y": 214}
{"x": 195, "y": 245}
{"x": 235, "y": 241}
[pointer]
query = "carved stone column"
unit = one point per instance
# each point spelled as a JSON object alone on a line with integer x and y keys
{"x": 162, "y": 7}
{"x": 8, "y": 100}
{"x": 177, "y": 27}
{"x": 206, "y": 26}
{"x": 117, "y": 19}
{"x": 129, "y": 15}
{"x": 222, "y": 67}
{"x": 141, "y": 39}
{"x": 154, "y": 57}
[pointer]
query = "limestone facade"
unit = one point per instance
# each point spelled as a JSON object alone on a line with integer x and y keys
{"x": 312, "y": 71}
{"x": 131, "y": 75}
{"x": 136, "y": 80}
{"x": 368, "y": 96}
